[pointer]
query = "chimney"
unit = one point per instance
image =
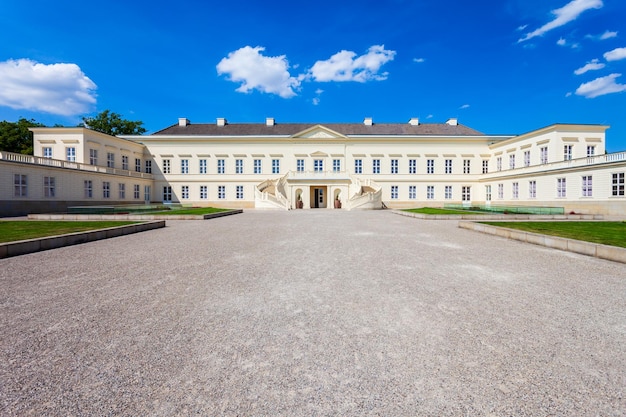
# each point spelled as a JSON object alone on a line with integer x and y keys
{"x": 183, "y": 121}
{"x": 269, "y": 121}
{"x": 368, "y": 121}
{"x": 221, "y": 121}
{"x": 414, "y": 121}
{"x": 452, "y": 122}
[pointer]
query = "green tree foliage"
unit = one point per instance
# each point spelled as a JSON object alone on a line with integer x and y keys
{"x": 113, "y": 124}
{"x": 15, "y": 136}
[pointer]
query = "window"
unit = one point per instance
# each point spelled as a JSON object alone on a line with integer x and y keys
{"x": 448, "y": 166}
{"x": 110, "y": 160}
{"x": 70, "y": 154}
{"x": 358, "y": 166}
{"x": 21, "y": 185}
{"x": 204, "y": 193}
{"x": 184, "y": 166}
{"x": 430, "y": 166}
{"x": 221, "y": 166}
{"x": 467, "y": 166}
{"x": 591, "y": 150}
{"x": 239, "y": 192}
{"x": 318, "y": 165}
{"x": 567, "y": 152}
{"x": 238, "y": 166}
{"x": 88, "y": 189}
{"x": 587, "y": 186}
{"x": 543, "y": 154}
{"x": 148, "y": 167}
{"x": 136, "y": 191}
{"x": 184, "y": 192}
{"x": 257, "y": 166}
{"x": 167, "y": 193}
{"x": 166, "y": 166}
{"x": 500, "y": 191}
{"x": 515, "y": 190}
{"x": 511, "y": 161}
{"x": 221, "y": 192}
{"x": 394, "y": 166}
{"x": 336, "y": 165}
{"x": 125, "y": 162}
{"x": 121, "y": 191}
{"x": 499, "y": 163}
{"x": 487, "y": 192}
{"x": 48, "y": 187}
{"x": 300, "y": 165}
{"x": 412, "y": 192}
{"x": 106, "y": 189}
{"x": 430, "y": 192}
{"x": 138, "y": 165}
{"x": 485, "y": 166}
{"x": 203, "y": 166}
{"x": 532, "y": 189}
{"x": 561, "y": 189}
{"x": 275, "y": 166}
{"x": 93, "y": 157}
{"x": 146, "y": 193}
{"x": 412, "y": 166}
{"x": 466, "y": 194}
{"x": 394, "y": 192}
{"x": 448, "y": 192}
{"x": 617, "y": 184}
{"x": 376, "y": 166}
{"x": 47, "y": 152}
{"x": 526, "y": 158}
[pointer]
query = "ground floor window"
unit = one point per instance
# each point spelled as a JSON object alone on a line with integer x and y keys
{"x": 136, "y": 191}
{"x": 487, "y": 192}
{"x": 204, "y": 194}
{"x": 167, "y": 193}
{"x": 49, "y": 189}
{"x": 430, "y": 192}
{"x": 617, "y": 184}
{"x": 146, "y": 193}
{"x": 532, "y": 189}
{"x": 587, "y": 186}
{"x": 106, "y": 189}
{"x": 412, "y": 192}
{"x": 121, "y": 189}
{"x": 466, "y": 193}
{"x": 221, "y": 192}
{"x": 394, "y": 192}
{"x": 239, "y": 192}
{"x": 561, "y": 189}
{"x": 448, "y": 192}
{"x": 184, "y": 192}
{"x": 20, "y": 185}
{"x": 500, "y": 191}
{"x": 88, "y": 189}
{"x": 515, "y": 190}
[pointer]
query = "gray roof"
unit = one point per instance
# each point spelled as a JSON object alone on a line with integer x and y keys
{"x": 288, "y": 129}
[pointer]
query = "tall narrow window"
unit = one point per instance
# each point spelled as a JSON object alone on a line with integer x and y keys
{"x": 412, "y": 166}
{"x": 184, "y": 192}
{"x": 275, "y": 166}
{"x": 125, "y": 162}
{"x": 20, "y": 183}
{"x": 394, "y": 166}
{"x": 511, "y": 161}
{"x": 47, "y": 152}
{"x": 394, "y": 192}
{"x": 617, "y": 184}
{"x": 376, "y": 166}
{"x": 358, "y": 166}
{"x": 49, "y": 189}
{"x": 221, "y": 166}
{"x": 70, "y": 154}
{"x": 148, "y": 167}
{"x": 499, "y": 163}
{"x": 184, "y": 166}
{"x": 167, "y": 193}
{"x": 587, "y": 186}
{"x": 300, "y": 165}
{"x": 221, "y": 192}
{"x": 238, "y": 166}
{"x": 138, "y": 165}
{"x": 110, "y": 160}
{"x": 515, "y": 190}
{"x": 412, "y": 192}
{"x": 430, "y": 192}
{"x": 567, "y": 152}
{"x": 336, "y": 165}
{"x": 318, "y": 165}
{"x": 121, "y": 191}
{"x": 526, "y": 158}
{"x": 466, "y": 194}
{"x": 239, "y": 192}
{"x": 532, "y": 189}
{"x": 93, "y": 157}
{"x": 591, "y": 150}
{"x": 136, "y": 191}
{"x": 88, "y": 189}
{"x": 467, "y": 166}
{"x": 543, "y": 155}
{"x": 448, "y": 192}
{"x": 430, "y": 166}
{"x": 485, "y": 166}
{"x": 167, "y": 166}
{"x": 204, "y": 193}
{"x": 146, "y": 193}
{"x": 448, "y": 166}
{"x": 487, "y": 192}
{"x": 257, "y": 166}
{"x": 500, "y": 191}
{"x": 561, "y": 188}
{"x": 202, "y": 166}
{"x": 106, "y": 189}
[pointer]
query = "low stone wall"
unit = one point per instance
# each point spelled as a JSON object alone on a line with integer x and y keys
{"x": 132, "y": 216}
{"x": 479, "y": 217}
{"x": 23, "y": 247}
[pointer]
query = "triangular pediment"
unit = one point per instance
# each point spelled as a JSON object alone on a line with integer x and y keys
{"x": 318, "y": 132}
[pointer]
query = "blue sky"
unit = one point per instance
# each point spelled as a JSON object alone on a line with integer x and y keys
{"x": 499, "y": 66}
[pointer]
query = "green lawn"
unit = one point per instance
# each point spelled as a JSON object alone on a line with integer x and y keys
{"x": 199, "y": 211}
{"x": 430, "y": 210}
{"x": 607, "y": 233}
{"x": 13, "y": 230}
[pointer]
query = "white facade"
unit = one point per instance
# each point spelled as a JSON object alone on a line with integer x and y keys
{"x": 364, "y": 165}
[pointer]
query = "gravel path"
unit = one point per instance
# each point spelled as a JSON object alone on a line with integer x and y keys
{"x": 311, "y": 313}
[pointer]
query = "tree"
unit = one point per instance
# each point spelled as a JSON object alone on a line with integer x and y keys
{"x": 15, "y": 136}
{"x": 113, "y": 124}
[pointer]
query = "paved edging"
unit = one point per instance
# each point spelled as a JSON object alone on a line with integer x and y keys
{"x": 23, "y": 247}
{"x": 132, "y": 216}
{"x": 612, "y": 253}
{"x": 499, "y": 216}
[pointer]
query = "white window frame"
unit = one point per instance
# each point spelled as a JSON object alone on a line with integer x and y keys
{"x": 412, "y": 166}
{"x": 167, "y": 166}
{"x": 336, "y": 165}
{"x": 238, "y": 166}
{"x": 512, "y": 161}
{"x": 358, "y": 166}
{"x": 543, "y": 154}
{"x": 47, "y": 152}
{"x": 184, "y": 192}
{"x": 467, "y": 166}
{"x": 239, "y": 192}
{"x": 466, "y": 193}
{"x": 88, "y": 188}
{"x": 300, "y": 165}
{"x": 430, "y": 166}
{"x": 532, "y": 189}
{"x": 121, "y": 191}
{"x": 448, "y": 166}
{"x": 221, "y": 166}
{"x": 204, "y": 192}
{"x": 138, "y": 165}
{"x": 515, "y": 190}
{"x": 617, "y": 184}
{"x": 430, "y": 192}
{"x": 487, "y": 192}
{"x": 110, "y": 159}
{"x": 568, "y": 151}
{"x": 136, "y": 192}
{"x": 447, "y": 192}
{"x": 202, "y": 168}
{"x": 499, "y": 163}
{"x": 587, "y": 182}
{"x": 275, "y": 166}
{"x": 591, "y": 150}
{"x": 318, "y": 165}
{"x": 500, "y": 191}
{"x": 394, "y": 192}
{"x": 49, "y": 188}
{"x": 184, "y": 166}
{"x": 526, "y": 158}
{"x": 70, "y": 154}
{"x": 106, "y": 189}
{"x": 412, "y": 192}
{"x": 258, "y": 166}
{"x": 167, "y": 193}
{"x": 221, "y": 192}
{"x": 20, "y": 182}
{"x": 394, "y": 166}
{"x": 125, "y": 162}
{"x": 93, "y": 157}
{"x": 561, "y": 187}
{"x": 375, "y": 166}
{"x": 485, "y": 166}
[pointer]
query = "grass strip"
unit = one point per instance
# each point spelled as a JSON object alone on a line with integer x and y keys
{"x": 14, "y": 230}
{"x": 606, "y": 233}
{"x": 431, "y": 210}
{"x": 192, "y": 211}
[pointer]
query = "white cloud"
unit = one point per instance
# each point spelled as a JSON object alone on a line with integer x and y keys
{"x": 616, "y": 54}
{"x": 430, "y": 116}
{"x": 608, "y": 35}
{"x": 561, "y": 42}
{"x": 568, "y": 94}
{"x": 590, "y": 66}
{"x": 564, "y": 15}
{"x": 521, "y": 28}
{"x": 258, "y": 72}
{"x": 61, "y": 89}
{"x": 419, "y": 60}
{"x": 465, "y": 106}
{"x": 347, "y": 66}
{"x": 600, "y": 86}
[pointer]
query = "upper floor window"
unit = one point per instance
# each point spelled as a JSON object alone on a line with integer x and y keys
{"x": 358, "y": 166}
{"x": 93, "y": 157}
{"x": 138, "y": 165}
{"x": 110, "y": 160}
{"x": 184, "y": 166}
{"x": 238, "y": 166}
{"x": 318, "y": 165}
{"x": 499, "y": 163}
{"x": 485, "y": 166}
{"x": 376, "y": 166}
{"x": 543, "y": 154}
{"x": 430, "y": 166}
{"x": 203, "y": 166}
{"x": 336, "y": 165}
{"x": 125, "y": 162}
{"x": 567, "y": 152}
{"x": 511, "y": 161}
{"x": 70, "y": 154}
{"x": 167, "y": 167}
{"x": 466, "y": 166}
{"x": 148, "y": 167}
{"x": 300, "y": 165}
{"x": 394, "y": 166}
{"x": 47, "y": 152}
{"x": 591, "y": 150}
{"x": 412, "y": 166}
{"x": 448, "y": 166}
{"x": 275, "y": 166}
{"x": 526, "y": 158}
{"x": 257, "y": 166}
{"x": 221, "y": 166}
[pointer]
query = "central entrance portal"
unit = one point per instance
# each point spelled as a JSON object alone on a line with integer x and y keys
{"x": 318, "y": 197}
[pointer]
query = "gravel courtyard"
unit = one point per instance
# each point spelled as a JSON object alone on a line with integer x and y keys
{"x": 316, "y": 312}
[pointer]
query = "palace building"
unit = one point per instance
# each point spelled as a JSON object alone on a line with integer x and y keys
{"x": 344, "y": 166}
